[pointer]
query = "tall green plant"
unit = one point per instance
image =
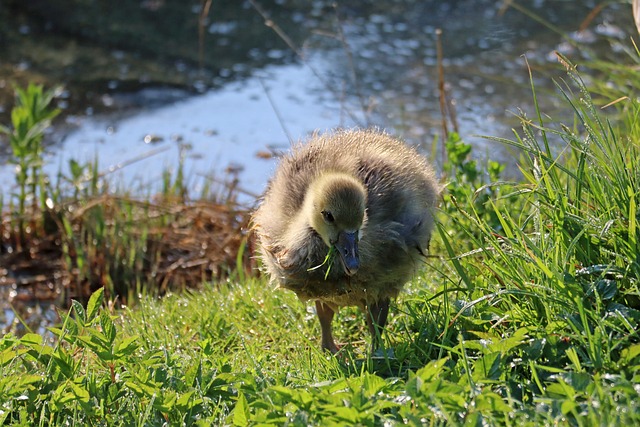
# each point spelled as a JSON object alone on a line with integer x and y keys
{"x": 471, "y": 187}
{"x": 565, "y": 256}
{"x": 587, "y": 195}
{"x": 30, "y": 117}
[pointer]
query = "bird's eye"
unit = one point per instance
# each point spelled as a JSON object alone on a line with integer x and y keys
{"x": 328, "y": 217}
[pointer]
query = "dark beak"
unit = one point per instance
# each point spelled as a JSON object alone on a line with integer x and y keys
{"x": 347, "y": 246}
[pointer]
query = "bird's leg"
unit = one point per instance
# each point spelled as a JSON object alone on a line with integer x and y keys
{"x": 325, "y": 314}
{"x": 376, "y": 315}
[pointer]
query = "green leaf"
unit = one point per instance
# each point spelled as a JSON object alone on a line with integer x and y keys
{"x": 568, "y": 406}
{"x": 561, "y": 389}
{"x": 628, "y": 354}
{"x": 490, "y": 401}
{"x": 606, "y": 288}
{"x": 56, "y": 331}
{"x": 432, "y": 369}
{"x": 81, "y": 316}
{"x": 29, "y": 379}
{"x": 32, "y": 340}
{"x": 506, "y": 345}
{"x": 187, "y": 401}
{"x": 285, "y": 392}
{"x": 95, "y": 302}
{"x": 127, "y": 346}
{"x": 449, "y": 393}
{"x": 7, "y": 356}
{"x": 579, "y": 381}
{"x": 61, "y": 396}
{"x": 64, "y": 362}
{"x": 414, "y": 385}
{"x": 372, "y": 384}
{"x": 80, "y": 392}
{"x": 96, "y": 342}
{"x": 193, "y": 372}
{"x": 108, "y": 328}
{"x": 488, "y": 367}
{"x": 346, "y": 415}
{"x": 241, "y": 412}
{"x": 142, "y": 389}
{"x": 165, "y": 400}
{"x": 75, "y": 168}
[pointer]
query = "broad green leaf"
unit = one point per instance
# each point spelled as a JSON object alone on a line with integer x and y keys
{"x": 94, "y": 304}
{"x": 285, "y": 392}
{"x": 506, "y": 345}
{"x": 432, "y": 369}
{"x": 32, "y": 340}
{"x": 194, "y": 371}
{"x": 100, "y": 347}
{"x": 61, "y": 396}
{"x": 414, "y": 385}
{"x": 142, "y": 389}
{"x": 579, "y": 381}
{"x": 568, "y": 406}
{"x": 165, "y": 400}
{"x": 187, "y": 401}
{"x": 490, "y": 401}
{"x": 29, "y": 379}
{"x": 64, "y": 362}
{"x": 488, "y": 367}
{"x": 55, "y": 331}
{"x": 127, "y": 346}
{"x": 80, "y": 392}
{"x": 372, "y": 384}
{"x": 7, "y": 356}
{"x": 561, "y": 389}
{"x": 80, "y": 313}
{"x": 607, "y": 289}
{"x": 345, "y": 414}
{"x": 108, "y": 328}
{"x": 241, "y": 412}
{"x": 449, "y": 393}
{"x": 628, "y": 354}
{"x": 96, "y": 337}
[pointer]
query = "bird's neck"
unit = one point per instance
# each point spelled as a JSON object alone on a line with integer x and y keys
{"x": 300, "y": 228}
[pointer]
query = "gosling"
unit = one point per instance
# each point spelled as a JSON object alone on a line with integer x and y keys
{"x": 361, "y": 197}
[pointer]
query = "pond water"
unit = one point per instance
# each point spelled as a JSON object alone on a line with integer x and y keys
{"x": 371, "y": 65}
{"x": 136, "y": 99}
{"x": 235, "y": 128}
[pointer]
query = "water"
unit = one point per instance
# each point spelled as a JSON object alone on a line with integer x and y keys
{"x": 235, "y": 127}
{"x": 371, "y": 65}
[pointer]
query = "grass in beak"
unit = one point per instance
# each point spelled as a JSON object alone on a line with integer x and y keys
{"x": 331, "y": 255}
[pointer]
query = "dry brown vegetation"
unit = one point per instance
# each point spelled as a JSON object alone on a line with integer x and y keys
{"x": 123, "y": 244}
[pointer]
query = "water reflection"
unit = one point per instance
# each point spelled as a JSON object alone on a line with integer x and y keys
{"x": 360, "y": 66}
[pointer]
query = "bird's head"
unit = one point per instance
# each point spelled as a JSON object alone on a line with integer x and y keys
{"x": 337, "y": 214}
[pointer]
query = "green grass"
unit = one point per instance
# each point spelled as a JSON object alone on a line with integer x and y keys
{"x": 249, "y": 355}
{"x": 528, "y": 315}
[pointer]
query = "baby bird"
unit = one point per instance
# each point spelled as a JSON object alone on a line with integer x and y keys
{"x": 359, "y": 197}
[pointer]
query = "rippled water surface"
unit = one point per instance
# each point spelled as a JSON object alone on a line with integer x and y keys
{"x": 373, "y": 65}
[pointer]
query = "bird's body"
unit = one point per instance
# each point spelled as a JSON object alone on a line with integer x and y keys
{"x": 365, "y": 194}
